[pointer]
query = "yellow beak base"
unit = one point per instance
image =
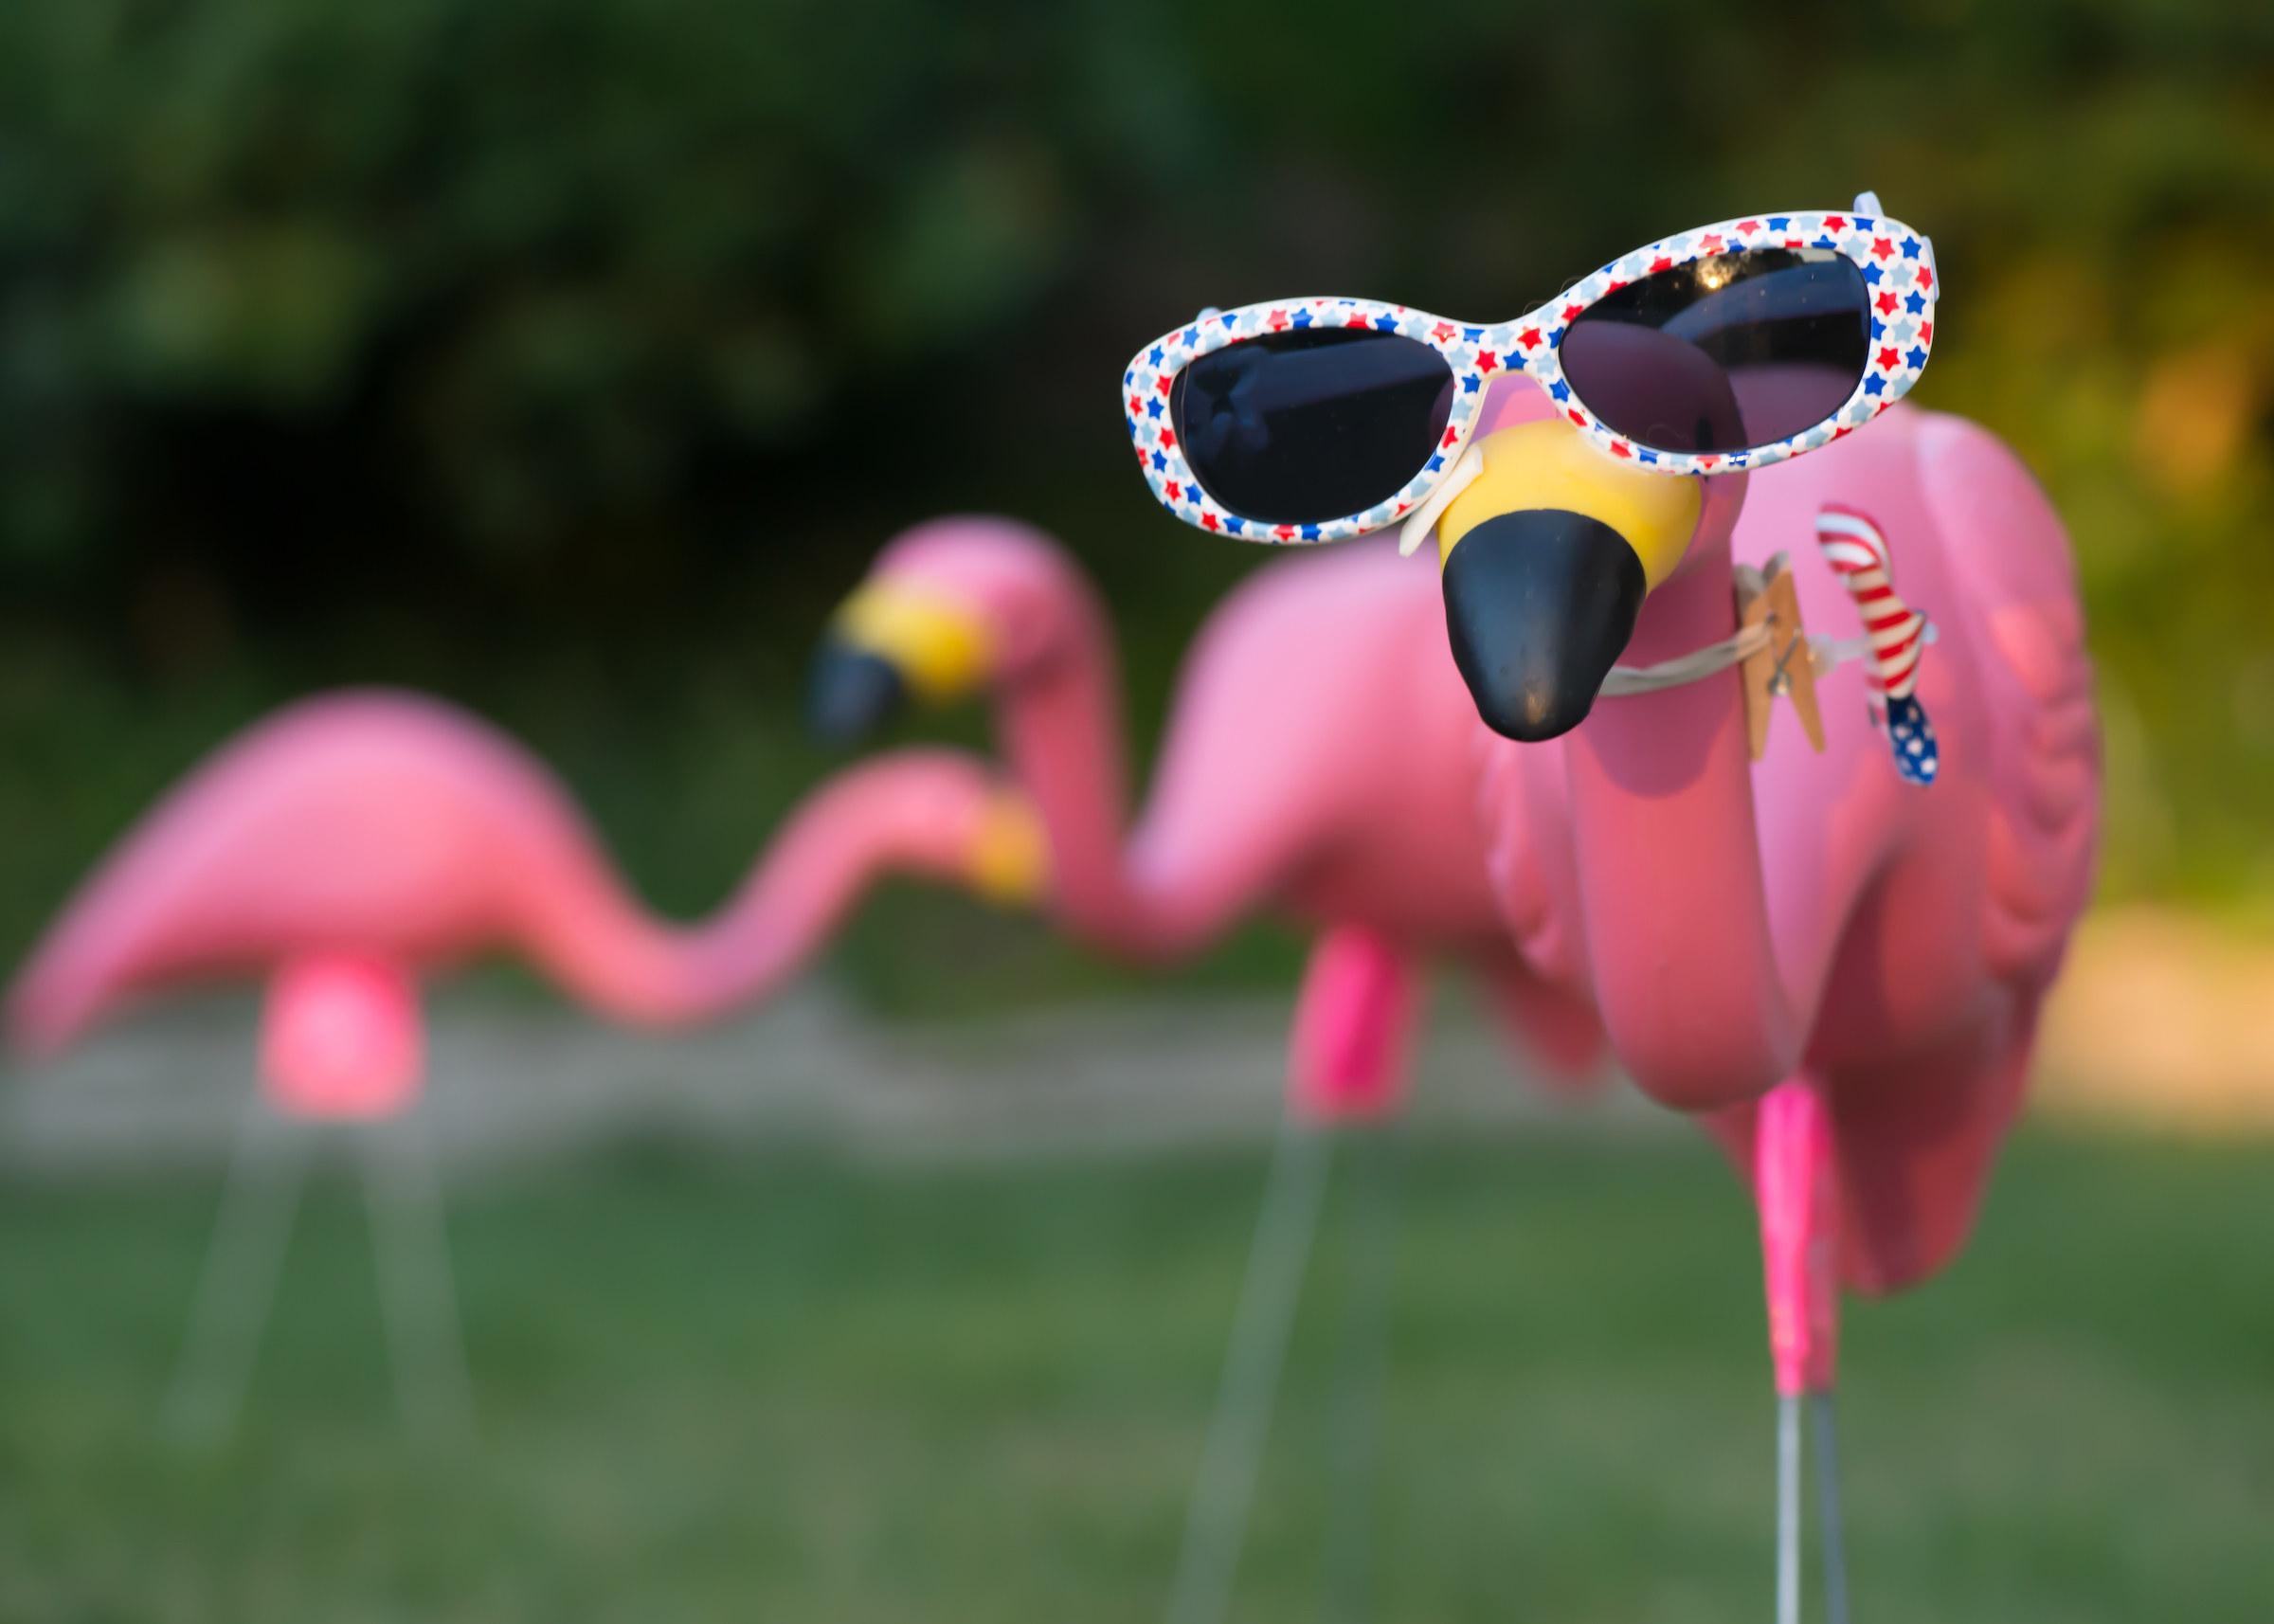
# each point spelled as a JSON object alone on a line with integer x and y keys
{"x": 1547, "y": 464}
{"x": 940, "y": 647}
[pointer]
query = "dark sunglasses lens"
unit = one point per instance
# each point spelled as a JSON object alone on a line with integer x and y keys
{"x": 1727, "y": 353}
{"x": 1307, "y": 425}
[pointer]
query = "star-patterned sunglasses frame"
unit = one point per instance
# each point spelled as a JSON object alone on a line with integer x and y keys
{"x": 1898, "y": 269}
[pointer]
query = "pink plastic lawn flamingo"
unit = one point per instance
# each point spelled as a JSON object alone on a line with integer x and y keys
{"x": 1812, "y": 921}
{"x": 1319, "y": 759}
{"x": 351, "y": 843}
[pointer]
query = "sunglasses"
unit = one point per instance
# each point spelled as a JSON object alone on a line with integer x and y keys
{"x": 1729, "y": 348}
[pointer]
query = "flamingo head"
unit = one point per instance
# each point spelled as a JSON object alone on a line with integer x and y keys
{"x": 948, "y": 608}
{"x": 1548, "y": 556}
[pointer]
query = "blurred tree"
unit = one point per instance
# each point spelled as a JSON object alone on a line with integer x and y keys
{"x": 570, "y": 354}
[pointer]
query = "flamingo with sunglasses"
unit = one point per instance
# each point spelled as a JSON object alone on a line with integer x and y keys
{"x": 1827, "y": 939}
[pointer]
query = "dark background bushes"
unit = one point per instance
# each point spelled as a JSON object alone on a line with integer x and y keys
{"x": 571, "y": 358}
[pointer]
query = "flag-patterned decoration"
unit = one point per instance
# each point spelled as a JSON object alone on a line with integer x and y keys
{"x": 1858, "y": 555}
{"x": 1898, "y": 265}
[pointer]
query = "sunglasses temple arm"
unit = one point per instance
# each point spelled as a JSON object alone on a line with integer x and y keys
{"x": 1424, "y": 518}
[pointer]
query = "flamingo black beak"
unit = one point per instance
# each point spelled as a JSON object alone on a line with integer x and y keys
{"x": 1540, "y": 604}
{"x": 1547, "y": 558}
{"x": 893, "y": 641}
{"x": 850, "y": 693}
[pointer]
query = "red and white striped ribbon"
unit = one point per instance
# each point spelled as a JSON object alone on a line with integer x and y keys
{"x": 1858, "y": 555}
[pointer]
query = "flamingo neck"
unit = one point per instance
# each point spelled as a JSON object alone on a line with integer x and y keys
{"x": 1060, "y": 725}
{"x": 922, "y": 812}
{"x": 1668, "y": 871}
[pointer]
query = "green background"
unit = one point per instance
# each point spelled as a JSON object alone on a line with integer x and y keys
{"x": 571, "y": 358}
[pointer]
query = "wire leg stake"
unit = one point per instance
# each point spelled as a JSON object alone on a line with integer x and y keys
{"x": 1217, "y": 1523}
{"x": 267, "y": 1167}
{"x": 415, "y": 1287}
{"x": 1346, "y": 1595}
{"x": 1787, "y": 1508}
{"x": 1828, "y": 1512}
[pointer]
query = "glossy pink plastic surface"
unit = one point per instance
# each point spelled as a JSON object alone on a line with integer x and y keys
{"x": 1794, "y": 1183}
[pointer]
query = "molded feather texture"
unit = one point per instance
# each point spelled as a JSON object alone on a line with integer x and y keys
{"x": 2005, "y": 540}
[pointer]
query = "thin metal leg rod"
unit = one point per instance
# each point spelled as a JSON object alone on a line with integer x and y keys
{"x": 1347, "y": 1591}
{"x": 1787, "y": 1508}
{"x": 1828, "y": 1512}
{"x": 267, "y": 1167}
{"x": 1217, "y": 1525}
{"x": 416, "y": 1293}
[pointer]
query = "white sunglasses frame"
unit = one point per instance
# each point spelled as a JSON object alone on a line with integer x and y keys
{"x": 1898, "y": 265}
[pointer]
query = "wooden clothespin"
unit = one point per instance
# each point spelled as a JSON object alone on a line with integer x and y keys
{"x": 1786, "y": 666}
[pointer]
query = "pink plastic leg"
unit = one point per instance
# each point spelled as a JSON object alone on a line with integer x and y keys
{"x": 1350, "y": 1053}
{"x": 1794, "y": 1180}
{"x": 341, "y": 1038}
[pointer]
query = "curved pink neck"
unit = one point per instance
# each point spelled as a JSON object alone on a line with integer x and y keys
{"x": 915, "y": 811}
{"x": 1662, "y": 822}
{"x": 1060, "y": 730}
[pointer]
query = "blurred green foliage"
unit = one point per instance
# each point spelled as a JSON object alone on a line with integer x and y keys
{"x": 570, "y": 356}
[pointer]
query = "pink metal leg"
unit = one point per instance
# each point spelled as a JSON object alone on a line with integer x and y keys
{"x": 1796, "y": 1183}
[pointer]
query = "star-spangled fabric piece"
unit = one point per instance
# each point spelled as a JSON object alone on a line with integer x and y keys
{"x": 1857, "y": 551}
{"x": 1912, "y": 738}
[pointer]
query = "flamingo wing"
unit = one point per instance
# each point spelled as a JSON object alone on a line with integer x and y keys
{"x": 2003, "y": 538}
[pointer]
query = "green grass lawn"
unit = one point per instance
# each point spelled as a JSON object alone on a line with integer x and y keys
{"x": 804, "y": 1390}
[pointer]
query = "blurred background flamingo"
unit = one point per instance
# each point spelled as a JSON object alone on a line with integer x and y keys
{"x": 354, "y": 845}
